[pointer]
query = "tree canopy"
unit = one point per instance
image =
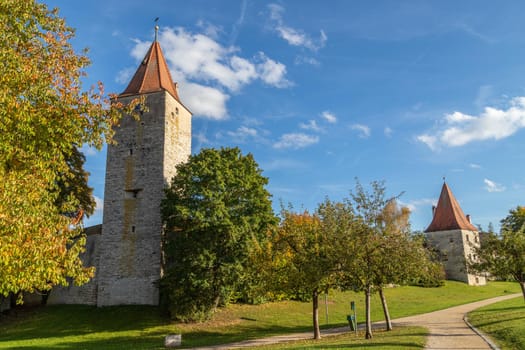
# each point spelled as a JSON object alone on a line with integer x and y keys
{"x": 503, "y": 255}
{"x": 362, "y": 243}
{"x": 215, "y": 212}
{"x": 303, "y": 256}
{"x": 46, "y": 116}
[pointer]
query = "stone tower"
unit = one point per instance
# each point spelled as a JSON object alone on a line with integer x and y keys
{"x": 138, "y": 168}
{"x": 453, "y": 236}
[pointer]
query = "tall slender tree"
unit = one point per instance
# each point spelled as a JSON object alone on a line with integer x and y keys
{"x": 386, "y": 253}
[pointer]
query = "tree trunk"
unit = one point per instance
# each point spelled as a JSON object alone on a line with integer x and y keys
{"x": 522, "y": 285}
{"x": 368, "y": 334}
{"x": 385, "y": 310}
{"x": 315, "y": 314}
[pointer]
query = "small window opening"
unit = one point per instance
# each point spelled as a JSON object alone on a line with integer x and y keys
{"x": 133, "y": 228}
{"x": 177, "y": 110}
{"x": 134, "y": 193}
{"x": 468, "y": 238}
{"x": 131, "y": 151}
{"x": 451, "y": 240}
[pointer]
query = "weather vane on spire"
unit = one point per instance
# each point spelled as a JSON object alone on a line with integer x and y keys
{"x": 156, "y": 28}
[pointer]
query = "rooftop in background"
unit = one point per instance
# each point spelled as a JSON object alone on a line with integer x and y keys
{"x": 448, "y": 214}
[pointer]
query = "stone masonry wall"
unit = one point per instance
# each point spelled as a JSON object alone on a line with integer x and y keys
{"x": 139, "y": 167}
{"x": 87, "y": 293}
{"x": 455, "y": 247}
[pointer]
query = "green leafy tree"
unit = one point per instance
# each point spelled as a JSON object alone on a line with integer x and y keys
{"x": 73, "y": 186}
{"x": 216, "y": 211}
{"x": 504, "y": 255}
{"x": 45, "y": 115}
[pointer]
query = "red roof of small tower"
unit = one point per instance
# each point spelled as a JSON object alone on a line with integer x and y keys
{"x": 152, "y": 75}
{"x": 448, "y": 214}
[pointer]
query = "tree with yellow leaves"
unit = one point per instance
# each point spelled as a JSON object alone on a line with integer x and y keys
{"x": 45, "y": 116}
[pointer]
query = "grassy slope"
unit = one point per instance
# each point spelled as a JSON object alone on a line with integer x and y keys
{"x": 84, "y": 327}
{"x": 503, "y": 321}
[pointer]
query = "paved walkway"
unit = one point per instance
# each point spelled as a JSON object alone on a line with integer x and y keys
{"x": 447, "y": 330}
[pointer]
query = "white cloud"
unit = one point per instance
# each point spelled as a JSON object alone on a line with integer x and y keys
{"x": 306, "y": 60}
{"x": 474, "y": 166}
{"x": 484, "y": 93}
{"x": 204, "y": 100}
{"x": 311, "y": 125}
{"x": 458, "y": 118}
{"x": 272, "y": 72}
{"x": 428, "y": 140}
{"x": 329, "y": 117}
{"x": 201, "y": 138}
{"x": 139, "y": 50}
{"x": 295, "y": 141}
{"x": 197, "y": 56}
{"x": 99, "y": 203}
{"x": 125, "y": 75}
{"x": 417, "y": 204}
{"x": 280, "y": 164}
{"x": 88, "y": 151}
{"x": 493, "y": 124}
{"x": 388, "y": 131}
{"x": 492, "y": 186}
{"x": 294, "y": 37}
{"x": 207, "y": 71}
{"x": 364, "y": 131}
{"x": 209, "y": 29}
{"x": 242, "y": 133}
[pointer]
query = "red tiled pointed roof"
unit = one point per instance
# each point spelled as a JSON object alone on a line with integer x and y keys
{"x": 152, "y": 75}
{"x": 448, "y": 214}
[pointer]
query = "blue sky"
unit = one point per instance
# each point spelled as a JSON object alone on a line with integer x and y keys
{"x": 322, "y": 92}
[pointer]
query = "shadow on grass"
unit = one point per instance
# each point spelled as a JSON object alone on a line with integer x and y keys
{"x": 125, "y": 342}
{"x": 202, "y": 338}
{"x": 502, "y": 309}
{"x": 27, "y": 327}
{"x": 76, "y": 320}
{"x": 506, "y": 320}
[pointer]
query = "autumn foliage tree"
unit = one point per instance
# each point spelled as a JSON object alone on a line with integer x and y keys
{"x": 301, "y": 261}
{"x": 362, "y": 243}
{"x": 45, "y": 117}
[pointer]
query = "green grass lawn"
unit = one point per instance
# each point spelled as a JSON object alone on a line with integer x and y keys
{"x": 503, "y": 321}
{"x": 139, "y": 327}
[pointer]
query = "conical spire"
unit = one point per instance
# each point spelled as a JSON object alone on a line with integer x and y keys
{"x": 448, "y": 214}
{"x": 152, "y": 75}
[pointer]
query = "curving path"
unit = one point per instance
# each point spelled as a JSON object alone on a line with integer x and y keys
{"x": 447, "y": 330}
